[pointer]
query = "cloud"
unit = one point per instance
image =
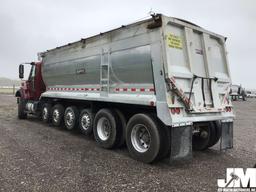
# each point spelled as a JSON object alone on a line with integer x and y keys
{"x": 29, "y": 27}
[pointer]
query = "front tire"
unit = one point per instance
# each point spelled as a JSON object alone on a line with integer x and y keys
{"x": 21, "y": 109}
{"x": 143, "y": 138}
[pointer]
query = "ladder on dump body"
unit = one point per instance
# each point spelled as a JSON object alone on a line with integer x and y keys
{"x": 104, "y": 73}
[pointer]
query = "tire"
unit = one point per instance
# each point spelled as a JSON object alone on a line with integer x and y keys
{"x": 46, "y": 113}
{"x": 21, "y": 109}
{"x": 105, "y": 128}
{"x": 143, "y": 138}
{"x": 216, "y": 126}
{"x": 213, "y": 134}
{"x": 86, "y": 118}
{"x": 121, "y": 140}
{"x": 57, "y": 115}
{"x": 202, "y": 139}
{"x": 71, "y": 116}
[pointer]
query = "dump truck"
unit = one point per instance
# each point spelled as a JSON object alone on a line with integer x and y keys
{"x": 250, "y": 93}
{"x": 238, "y": 92}
{"x": 159, "y": 86}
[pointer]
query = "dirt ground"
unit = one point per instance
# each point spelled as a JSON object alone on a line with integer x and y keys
{"x": 38, "y": 157}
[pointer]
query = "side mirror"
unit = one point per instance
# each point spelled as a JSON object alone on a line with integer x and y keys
{"x": 21, "y": 71}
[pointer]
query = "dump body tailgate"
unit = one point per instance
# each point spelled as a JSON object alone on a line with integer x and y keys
{"x": 198, "y": 66}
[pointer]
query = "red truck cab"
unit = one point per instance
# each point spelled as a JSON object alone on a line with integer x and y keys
{"x": 30, "y": 90}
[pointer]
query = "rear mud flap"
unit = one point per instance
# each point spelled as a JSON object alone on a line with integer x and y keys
{"x": 226, "y": 140}
{"x": 181, "y": 143}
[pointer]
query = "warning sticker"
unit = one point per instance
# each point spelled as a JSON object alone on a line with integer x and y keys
{"x": 174, "y": 41}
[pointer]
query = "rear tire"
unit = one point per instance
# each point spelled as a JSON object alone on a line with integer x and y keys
{"x": 122, "y": 127}
{"x": 57, "y": 115}
{"x": 71, "y": 116}
{"x": 86, "y": 121}
{"x": 216, "y": 133}
{"x": 143, "y": 138}
{"x": 105, "y": 128}
{"x": 46, "y": 113}
{"x": 21, "y": 109}
{"x": 202, "y": 139}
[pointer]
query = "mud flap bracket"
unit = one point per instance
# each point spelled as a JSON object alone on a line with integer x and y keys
{"x": 226, "y": 141}
{"x": 181, "y": 143}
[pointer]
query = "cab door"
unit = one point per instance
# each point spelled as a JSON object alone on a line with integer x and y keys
{"x": 31, "y": 81}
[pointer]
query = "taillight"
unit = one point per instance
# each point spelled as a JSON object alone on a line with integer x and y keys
{"x": 228, "y": 109}
{"x": 175, "y": 111}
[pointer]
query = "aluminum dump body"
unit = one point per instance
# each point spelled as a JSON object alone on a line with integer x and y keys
{"x": 161, "y": 62}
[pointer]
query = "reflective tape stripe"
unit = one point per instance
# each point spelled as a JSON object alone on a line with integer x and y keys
{"x": 98, "y": 89}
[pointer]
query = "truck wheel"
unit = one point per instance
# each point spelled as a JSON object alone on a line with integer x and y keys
{"x": 121, "y": 140}
{"x": 46, "y": 113}
{"x": 216, "y": 133}
{"x": 202, "y": 138}
{"x": 71, "y": 117}
{"x": 57, "y": 115}
{"x": 105, "y": 128}
{"x": 143, "y": 138}
{"x": 86, "y": 121}
{"x": 21, "y": 109}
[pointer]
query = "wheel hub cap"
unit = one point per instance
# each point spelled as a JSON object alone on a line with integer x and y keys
{"x": 70, "y": 118}
{"x": 204, "y": 134}
{"x": 140, "y": 138}
{"x": 56, "y": 115}
{"x": 85, "y": 121}
{"x": 45, "y": 113}
{"x": 103, "y": 128}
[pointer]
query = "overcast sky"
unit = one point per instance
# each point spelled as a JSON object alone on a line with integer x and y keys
{"x": 32, "y": 26}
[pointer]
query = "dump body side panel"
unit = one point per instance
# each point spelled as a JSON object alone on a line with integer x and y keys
{"x": 134, "y": 64}
{"x": 113, "y": 67}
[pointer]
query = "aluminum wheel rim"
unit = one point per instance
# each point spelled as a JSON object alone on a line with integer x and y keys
{"x": 56, "y": 115}
{"x": 45, "y": 113}
{"x": 85, "y": 121}
{"x": 140, "y": 138}
{"x": 70, "y": 117}
{"x": 103, "y": 128}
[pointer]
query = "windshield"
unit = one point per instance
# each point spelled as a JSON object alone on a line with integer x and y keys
{"x": 32, "y": 73}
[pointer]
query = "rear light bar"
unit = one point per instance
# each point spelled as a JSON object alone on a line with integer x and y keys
{"x": 175, "y": 111}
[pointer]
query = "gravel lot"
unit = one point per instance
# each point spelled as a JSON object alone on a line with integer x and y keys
{"x": 38, "y": 157}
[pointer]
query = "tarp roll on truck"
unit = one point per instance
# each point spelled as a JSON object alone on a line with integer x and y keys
{"x": 161, "y": 86}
